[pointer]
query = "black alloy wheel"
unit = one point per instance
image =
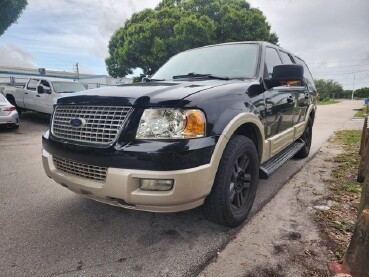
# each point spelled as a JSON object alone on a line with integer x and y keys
{"x": 233, "y": 193}
{"x": 239, "y": 188}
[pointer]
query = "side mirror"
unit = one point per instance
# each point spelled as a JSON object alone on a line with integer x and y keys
{"x": 284, "y": 73}
{"x": 40, "y": 89}
{"x": 145, "y": 79}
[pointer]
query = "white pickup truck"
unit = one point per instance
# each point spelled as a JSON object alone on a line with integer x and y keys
{"x": 39, "y": 94}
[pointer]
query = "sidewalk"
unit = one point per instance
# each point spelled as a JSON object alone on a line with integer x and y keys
{"x": 282, "y": 239}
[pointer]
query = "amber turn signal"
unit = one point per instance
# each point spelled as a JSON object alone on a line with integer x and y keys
{"x": 195, "y": 125}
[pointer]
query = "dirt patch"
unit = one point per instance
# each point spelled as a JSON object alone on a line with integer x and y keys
{"x": 283, "y": 239}
{"x": 308, "y": 224}
{"x": 338, "y": 223}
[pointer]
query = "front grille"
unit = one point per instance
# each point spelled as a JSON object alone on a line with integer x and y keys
{"x": 91, "y": 172}
{"x": 100, "y": 124}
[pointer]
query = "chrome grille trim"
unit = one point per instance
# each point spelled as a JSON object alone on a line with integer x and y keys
{"x": 102, "y": 123}
{"x": 92, "y": 172}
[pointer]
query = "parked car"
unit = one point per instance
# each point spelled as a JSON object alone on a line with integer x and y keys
{"x": 200, "y": 131}
{"x": 39, "y": 94}
{"x": 8, "y": 114}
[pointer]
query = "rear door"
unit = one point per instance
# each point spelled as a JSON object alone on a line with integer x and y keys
{"x": 306, "y": 99}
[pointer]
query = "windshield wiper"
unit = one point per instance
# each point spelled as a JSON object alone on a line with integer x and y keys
{"x": 196, "y": 75}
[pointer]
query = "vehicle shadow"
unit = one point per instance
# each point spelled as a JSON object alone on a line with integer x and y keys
{"x": 35, "y": 117}
{"x": 6, "y": 129}
{"x": 81, "y": 231}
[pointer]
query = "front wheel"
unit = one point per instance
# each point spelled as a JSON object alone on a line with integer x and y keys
{"x": 235, "y": 184}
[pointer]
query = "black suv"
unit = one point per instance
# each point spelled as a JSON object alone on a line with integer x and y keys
{"x": 200, "y": 131}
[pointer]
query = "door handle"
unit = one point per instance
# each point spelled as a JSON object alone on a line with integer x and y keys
{"x": 26, "y": 93}
{"x": 38, "y": 96}
{"x": 290, "y": 99}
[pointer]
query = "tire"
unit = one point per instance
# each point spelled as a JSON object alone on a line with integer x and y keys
{"x": 233, "y": 193}
{"x": 307, "y": 137}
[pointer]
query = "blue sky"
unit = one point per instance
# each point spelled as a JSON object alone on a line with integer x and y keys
{"x": 58, "y": 34}
{"x": 331, "y": 35}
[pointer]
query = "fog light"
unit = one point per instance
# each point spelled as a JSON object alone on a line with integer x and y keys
{"x": 156, "y": 184}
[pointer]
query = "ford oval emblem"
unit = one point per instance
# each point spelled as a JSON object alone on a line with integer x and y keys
{"x": 77, "y": 122}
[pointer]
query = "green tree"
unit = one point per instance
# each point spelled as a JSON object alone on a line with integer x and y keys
{"x": 329, "y": 89}
{"x": 9, "y": 12}
{"x": 149, "y": 38}
{"x": 362, "y": 93}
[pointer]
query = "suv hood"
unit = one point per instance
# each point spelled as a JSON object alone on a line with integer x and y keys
{"x": 166, "y": 93}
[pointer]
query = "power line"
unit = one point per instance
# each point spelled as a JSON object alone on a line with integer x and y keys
{"x": 355, "y": 83}
{"x": 340, "y": 61}
{"x": 339, "y": 66}
{"x": 342, "y": 73}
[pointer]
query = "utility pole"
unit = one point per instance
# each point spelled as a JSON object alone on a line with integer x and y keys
{"x": 353, "y": 89}
{"x": 77, "y": 70}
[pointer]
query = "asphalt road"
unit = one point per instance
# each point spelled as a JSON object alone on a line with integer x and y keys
{"x": 47, "y": 230}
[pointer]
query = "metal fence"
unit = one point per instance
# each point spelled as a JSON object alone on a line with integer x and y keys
{"x": 12, "y": 81}
{"x": 96, "y": 85}
{"x": 20, "y": 82}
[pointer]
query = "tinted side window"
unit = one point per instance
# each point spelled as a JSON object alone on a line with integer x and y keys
{"x": 45, "y": 84}
{"x": 286, "y": 58}
{"x": 32, "y": 84}
{"x": 307, "y": 75}
{"x": 271, "y": 59}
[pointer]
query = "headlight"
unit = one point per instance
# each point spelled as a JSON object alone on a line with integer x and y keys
{"x": 171, "y": 124}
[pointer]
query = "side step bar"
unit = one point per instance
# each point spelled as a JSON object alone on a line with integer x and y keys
{"x": 270, "y": 166}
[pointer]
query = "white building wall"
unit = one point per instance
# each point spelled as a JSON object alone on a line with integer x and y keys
{"x": 21, "y": 75}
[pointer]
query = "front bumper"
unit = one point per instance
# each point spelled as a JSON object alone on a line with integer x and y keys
{"x": 121, "y": 187}
{"x": 143, "y": 155}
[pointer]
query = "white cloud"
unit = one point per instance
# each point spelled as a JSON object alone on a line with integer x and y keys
{"x": 84, "y": 26}
{"x": 60, "y": 33}
{"x": 322, "y": 32}
{"x": 12, "y": 55}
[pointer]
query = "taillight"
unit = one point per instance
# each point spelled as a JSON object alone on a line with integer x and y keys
{"x": 8, "y": 109}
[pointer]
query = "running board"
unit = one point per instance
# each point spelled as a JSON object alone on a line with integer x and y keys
{"x": 270, "y": 166}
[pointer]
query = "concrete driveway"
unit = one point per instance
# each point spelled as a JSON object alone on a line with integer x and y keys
{"x": 47, "y": 230}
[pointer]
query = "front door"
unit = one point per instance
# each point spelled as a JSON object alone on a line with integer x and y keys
{"x": 29, "y": 94}
{"x": 280, "y": 104}
{"x": 44, "y": 102}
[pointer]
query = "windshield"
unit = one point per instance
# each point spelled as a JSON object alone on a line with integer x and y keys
{"x": 66, "y": 87}
{"x": 230, "y": 60}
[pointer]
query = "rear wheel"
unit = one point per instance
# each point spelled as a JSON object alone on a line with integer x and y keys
{"x": 234, "y": 189}
{"x": 307, "y": 138}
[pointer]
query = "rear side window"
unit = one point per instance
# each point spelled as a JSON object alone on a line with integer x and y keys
{"x": 271, "y": 59}
{"x": 32, "y": 84}
{"x": 286, "y": 58}
{"x": 307, "y": 75}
